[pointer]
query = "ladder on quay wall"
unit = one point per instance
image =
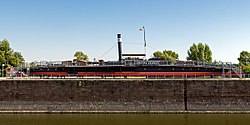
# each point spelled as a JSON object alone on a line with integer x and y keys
{"x": 237, "y": 70}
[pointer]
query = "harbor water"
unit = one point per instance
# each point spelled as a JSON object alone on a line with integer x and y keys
{"x": 124, "y": 119}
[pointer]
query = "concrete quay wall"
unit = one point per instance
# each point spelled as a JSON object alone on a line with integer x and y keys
{"x": 124, "y": 95}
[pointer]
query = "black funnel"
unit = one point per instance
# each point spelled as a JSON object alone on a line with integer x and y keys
{"x": 119, "y": 39}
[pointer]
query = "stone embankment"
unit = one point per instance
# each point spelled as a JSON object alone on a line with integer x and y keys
{"x": 124, "y": 96}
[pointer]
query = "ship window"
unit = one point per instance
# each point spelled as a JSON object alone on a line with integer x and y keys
{"x": 173, "y": 68}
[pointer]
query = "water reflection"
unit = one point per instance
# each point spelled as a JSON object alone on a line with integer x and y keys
{"x": 125, "y": 119}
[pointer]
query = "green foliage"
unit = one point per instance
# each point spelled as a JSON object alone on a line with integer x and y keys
{"x": 80, "y": 56}
{"x": 32, "y": 64}
{"x": 193, "y": 53}
{"x": 166, "y": 55}
{"x": 17, "y": 59}
{"x": 170, "y": 55}
{"x": 208, "y": 53}
{"x": 158, "y": 54}
{"x": 8, "y": 57}
{"x": 200, "y": 52}
{"x": 246, "y": 69}
{"x": 244, "y": 59}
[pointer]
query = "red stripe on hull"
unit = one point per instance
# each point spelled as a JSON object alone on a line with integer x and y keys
{"x": 149, "y": 73}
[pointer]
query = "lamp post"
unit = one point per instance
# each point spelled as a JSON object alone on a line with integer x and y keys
{"x": 2, "y": 70}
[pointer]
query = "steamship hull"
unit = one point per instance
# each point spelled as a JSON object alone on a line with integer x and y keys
{"x": 126, "y": 71}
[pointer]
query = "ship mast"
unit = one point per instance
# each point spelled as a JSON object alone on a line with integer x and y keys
{"x": 144, "y": 39}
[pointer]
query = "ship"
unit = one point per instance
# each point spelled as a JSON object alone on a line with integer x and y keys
{"x": 133, "y": 67}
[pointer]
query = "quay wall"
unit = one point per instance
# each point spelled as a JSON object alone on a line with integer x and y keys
{"x": 124, "y": 95}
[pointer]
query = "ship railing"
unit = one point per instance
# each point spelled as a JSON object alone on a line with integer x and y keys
{"x": 170, "y": 63}
{"x": 45, "y": 64}
{"x": 132, "y": 76}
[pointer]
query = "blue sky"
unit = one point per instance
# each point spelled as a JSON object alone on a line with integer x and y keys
{"x": 56, "y": 29}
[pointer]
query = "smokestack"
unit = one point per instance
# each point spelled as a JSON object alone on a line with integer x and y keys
{"x": 119, "y": 39}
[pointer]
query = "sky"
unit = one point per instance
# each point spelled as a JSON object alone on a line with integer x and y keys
{"x": 53, "y": 30}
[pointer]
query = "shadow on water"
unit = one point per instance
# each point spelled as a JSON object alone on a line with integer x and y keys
{"x": 124, "y": 119}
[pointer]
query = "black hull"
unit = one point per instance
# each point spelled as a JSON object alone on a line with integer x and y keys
{"x": 127, "y": 71}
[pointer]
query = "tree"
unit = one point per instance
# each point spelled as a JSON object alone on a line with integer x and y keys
{"x": 246, "y": 69}
{"x": 158, "y": 54}
{"x": 33, "y": 64}
{"x": 244, "y": 59}
{"x": 2, "y": 59}
{"x": 170, "y": 55}
{"x": 80, "y": 56}
{"x": 193, "y": 53}
{"x": 200, "y": 52}
{"x": 208, "y": 54}
{"x": 8, "y": 57}
{"x": 6, "y": 51}
{"x": 16, "y": 59}
{"x": 166, "y": 55}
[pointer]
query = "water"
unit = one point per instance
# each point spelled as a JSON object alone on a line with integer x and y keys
{"x": 125, "y": 119}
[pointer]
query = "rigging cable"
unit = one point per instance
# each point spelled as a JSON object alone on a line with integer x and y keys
{"x": 108, "y": 50}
